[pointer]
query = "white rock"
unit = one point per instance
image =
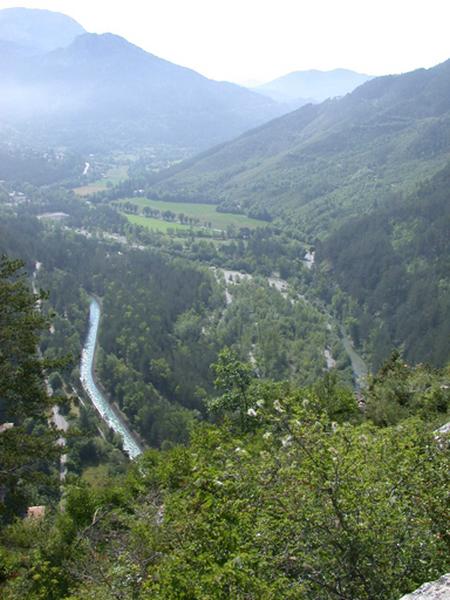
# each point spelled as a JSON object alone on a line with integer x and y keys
{"x": 436, "y": 590}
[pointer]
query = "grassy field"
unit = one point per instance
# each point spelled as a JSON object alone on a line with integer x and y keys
{"x": 112, "y": 177}
{"x": 204, "y": 212}
{"x": 155, "y": 224}
{"x": 177, "y": 229}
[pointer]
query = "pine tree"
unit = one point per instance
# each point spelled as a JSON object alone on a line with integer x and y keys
{"x": 28, "y": 449}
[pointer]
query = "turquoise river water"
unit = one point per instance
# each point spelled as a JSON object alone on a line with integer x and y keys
{"x": 102, "y": 405}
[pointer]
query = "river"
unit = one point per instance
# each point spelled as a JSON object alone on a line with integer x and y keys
{"x": 359, "y": 367}
{"x": 113, "y": 420}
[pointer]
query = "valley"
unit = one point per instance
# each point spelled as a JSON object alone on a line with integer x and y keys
{"x": 113, "y": 176}
{"x": 181, "y": 219}
{"x": 224, "y": 314}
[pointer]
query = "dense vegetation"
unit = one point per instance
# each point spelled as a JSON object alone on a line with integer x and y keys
{"x": 151, "y": 341}
{"x": 28, "y": 451}
{"x": 273, "y": 465}
{"x": 21, "y": 165}
{"x": 276, "y": 499}
{"x": 292, "y": 496}
{"x": 395, "y": 264}
{"x": 323, "y": 163}
{"x": 164, "y": 321}
{"x": 364, "y": 179}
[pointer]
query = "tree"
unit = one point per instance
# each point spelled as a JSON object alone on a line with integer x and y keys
{"x": 304, "y": 508}
{"x": 400, "y": 390}
{"x": 233, "y": 377}
{"x": 28, "y": 445}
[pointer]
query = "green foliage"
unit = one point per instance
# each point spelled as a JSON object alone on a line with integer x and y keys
{"x": 306, "y": 508}
{"x": 338, "y": 401}
{"x": 187, "y": 214}
{"x": 323, "y": 163}
{"x": 234, "y": 378}
{"x": 311, "y": 495}
{"x": 155, "y": 357}
{"x": 297, "y": 506}
{"x": 28, "y": 449}
{"x": 399, "y": 390}
{"x": 285, "y": 337}
{"x": 31, "y": 556}
{"x": 395, "y": 264}
{"x": 25, "y": 164}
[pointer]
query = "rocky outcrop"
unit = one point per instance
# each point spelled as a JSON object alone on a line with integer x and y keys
{"x": 436, "y": 590}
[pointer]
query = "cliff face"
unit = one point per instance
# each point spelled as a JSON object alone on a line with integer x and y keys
{"x": 436, "y": 590}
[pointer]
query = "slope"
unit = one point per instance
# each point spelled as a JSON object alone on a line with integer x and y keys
{"x": 395, "y": 265}
{"x": 102, "y": 91}
{"x": 324, "y": 163}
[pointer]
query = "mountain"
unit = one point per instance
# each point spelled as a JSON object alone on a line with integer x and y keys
{"x": 325, "y": 162}
{"x": 312, "y": 86}
{"x": 102, "y": 92}
{"x": 37, "y": 30}
{"x": 395, "y": 264}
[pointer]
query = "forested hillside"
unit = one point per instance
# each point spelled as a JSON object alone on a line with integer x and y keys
{"x": 364, "y": 179}
{"x": 21, "y": 165}
{"x": 294, "y": 493}
{"x": 166, "y": 318}
{"x": 395, "y": 262}
{"x": 272, "y": 495}
{"x": 324, "y": 163}
{"x": 226, "y": 375}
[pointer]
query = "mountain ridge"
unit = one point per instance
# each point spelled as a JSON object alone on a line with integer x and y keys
{"x": 384, "y": 135}
{"x": 102, "y": 91}
{"x": 38, "y": 30}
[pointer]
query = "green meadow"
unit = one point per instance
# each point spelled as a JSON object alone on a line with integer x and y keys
{"x": 207, "y": 213}
{"x": 156, "y": 224}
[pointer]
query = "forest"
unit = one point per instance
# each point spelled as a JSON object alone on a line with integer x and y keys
{"x": 272, "y": 329}
{"x": 248, "y": 433}
{"x": 394, "y": 263}
{"x": 275, "y": 498}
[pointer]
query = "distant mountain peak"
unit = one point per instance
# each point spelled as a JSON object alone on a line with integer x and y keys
{"x": 102, "y": 40}
{"x": 101, "y": 90}
{"x": 37, "y": 29}
{"x": 313, "y": 84}
{"x": 103, "y": 43}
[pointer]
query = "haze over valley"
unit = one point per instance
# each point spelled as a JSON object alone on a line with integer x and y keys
{"x": 224, "y": 310}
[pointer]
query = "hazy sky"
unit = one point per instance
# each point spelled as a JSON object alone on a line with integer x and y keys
{"x": 241, "y": 40}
